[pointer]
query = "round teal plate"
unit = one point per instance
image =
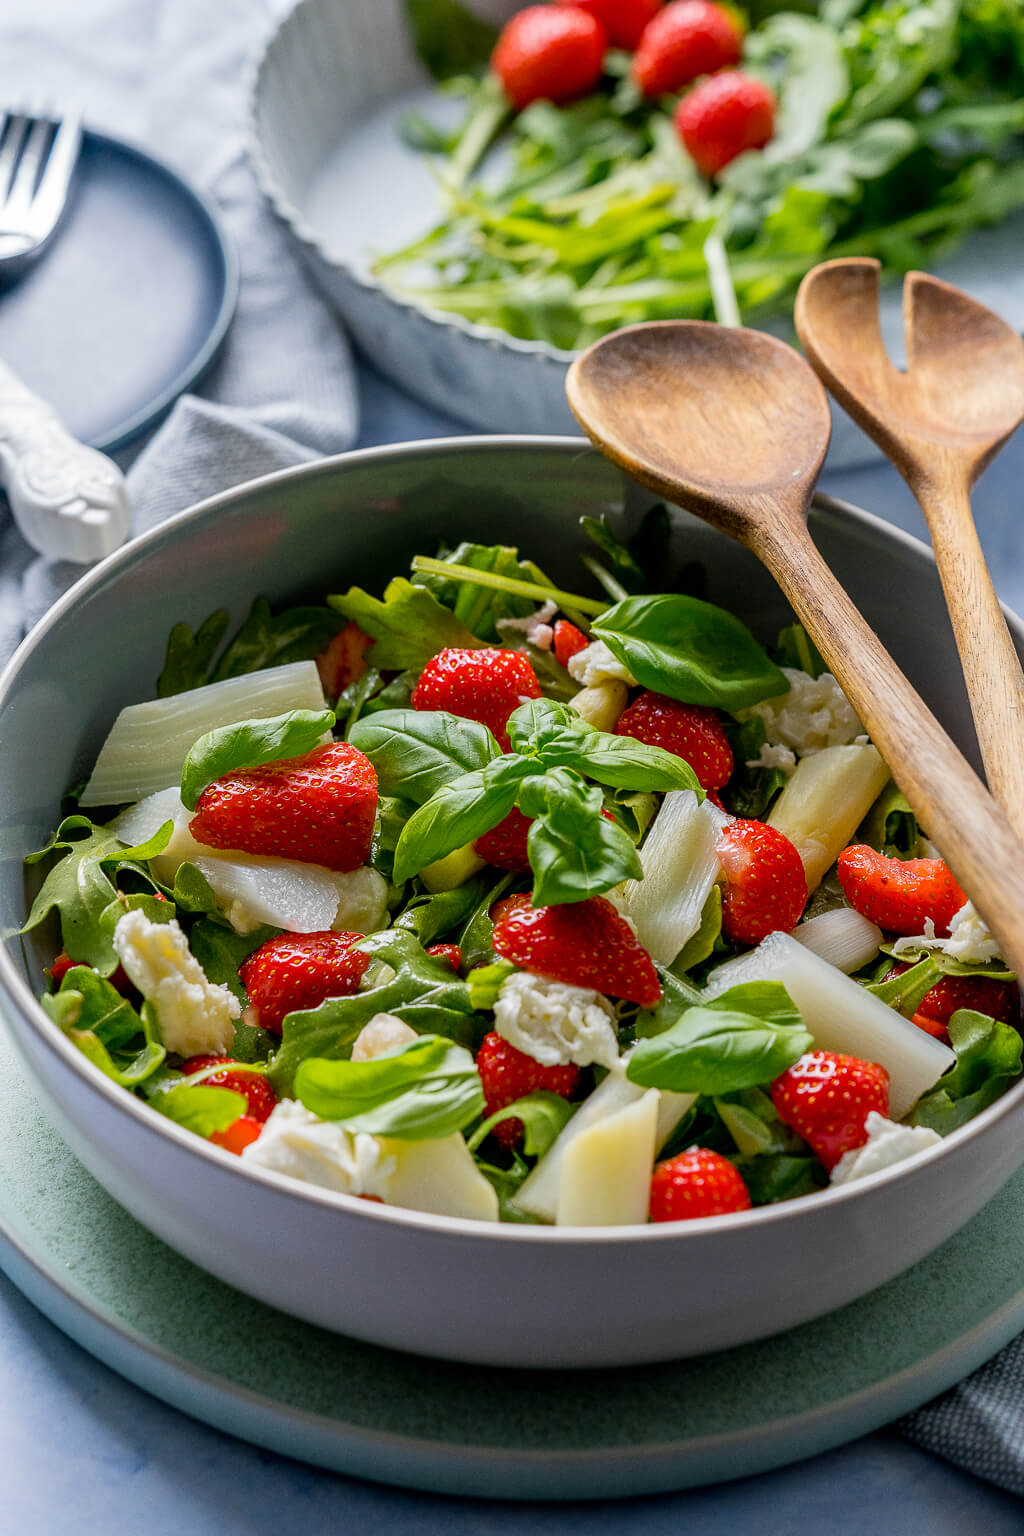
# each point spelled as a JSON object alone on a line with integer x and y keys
{"x": 259, "y": 1374}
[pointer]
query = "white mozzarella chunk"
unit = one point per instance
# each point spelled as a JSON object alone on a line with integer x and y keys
{"x": 887, "y": 1144}
{"x": 194, "y": 1015}
{"x": 969, "y": 938}
{"x": 813, "y": 715}
{"x": 297, "y": 1142}
{"x": 596, "y": 663}
{"x": 556, "y": 1023}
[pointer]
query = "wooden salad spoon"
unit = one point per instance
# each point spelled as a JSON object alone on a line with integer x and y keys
{"x": 733, "y": 425}
{"x": 941, "y": 423}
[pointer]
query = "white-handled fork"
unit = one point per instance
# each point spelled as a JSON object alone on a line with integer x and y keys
{"x": 37, "y": 161}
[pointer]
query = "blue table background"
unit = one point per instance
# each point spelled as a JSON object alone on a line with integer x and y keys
{"x": 83, "y": 1453}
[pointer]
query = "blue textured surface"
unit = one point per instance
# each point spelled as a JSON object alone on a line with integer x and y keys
{"x": 124, "y": 311}
{"x": 85, "y": 1453}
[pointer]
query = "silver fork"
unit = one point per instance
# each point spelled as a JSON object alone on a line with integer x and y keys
{"x": 37, "y": 160}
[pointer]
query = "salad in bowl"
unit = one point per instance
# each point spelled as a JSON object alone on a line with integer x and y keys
{"x": 490, "y": 900}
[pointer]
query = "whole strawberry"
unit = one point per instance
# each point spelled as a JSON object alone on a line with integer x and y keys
{"x": 295, "y": 971}
{"x": 623, "y": 20}
{"x": 319, "y": 809}
{"x": 826, "y": 1098}
{"x": 766, "y": 887}
{"x": 240, "y": 1134}
{"x": 504, "y": 846}
{"x": 508, "y": 1074}
{"x": 899, "y": 894}
{"x": 450, "y": 952}
{"x": 582, "y": 943}
{"x": 698, "y": 1182}
{"x": 723, "y": 116}
{"x": 687, "y": 39}
{"x": 549, "y": 53}
{"x": 484, "y": 685}
{"x": 691, "y": 731}
{"x": 568, "y": 641}
{"x": 254, "y": 1087}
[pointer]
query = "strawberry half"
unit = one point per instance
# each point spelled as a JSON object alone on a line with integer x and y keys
{"x": 582, "y": 943}
{"x": 508, "y": 1074}
{"x": 826, "y": 1098}
{"x": 239, "y": 1134}
{"x": 698, "y": 1182}
{"x": 296, "y": 971}
{"x": 767, "y": 887}
{"x": 344, "y": 659}
{"x": 450, "y": 952}
{"x": 549, "y": 53}
{"x": 691, "y": 731}
{"x": 984, "y": 994}
{"x": 318, "y": 809}
{"x": 899, "y": 894}
{"x": 253, "y": 1086}
{"x": 484, "y": 685}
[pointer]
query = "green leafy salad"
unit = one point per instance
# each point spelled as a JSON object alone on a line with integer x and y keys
{"x": 500, "y": 901}
{"x": 898, "y": 129}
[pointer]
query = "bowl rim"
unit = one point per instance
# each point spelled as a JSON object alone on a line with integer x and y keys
{"x": 33, "y": 1018}
{"x": 280, "y": 200}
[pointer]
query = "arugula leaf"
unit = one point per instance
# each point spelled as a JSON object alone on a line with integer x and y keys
{"x": 543, "y": 1115}
{"x": 428, "y": 1089}
{"x": 477, "y": 938}
{"x": 190, "y": 655}
{"x": 458, "y": 813}
{"x": 198, "y": 1108}
{"x": 248, "y": 744}
{"x": 192, "y": 891}
{"x": 750, "y": 791}
{"x": 802, "y": 59}
{"x": 81, "y": 888}
{"x": 988, "y": 1058}
{"x": 483, "y": 609}
{"x": 425, "y": 992}
{"x": 890, "y": 825}
{"x": 105, "y": 1027}
{"x": 574, "y": 850}
{"x": 417, "y": 752}
{"x": 775, "y": 1176}
{"x": 409, "y": 625}
{"x": 430, "y": 916}
{"x": 267, "y": 639}
{"x": 621, "y": 559}
{"x": 448, "y": 38}
{"x": 677, "y": 995}
{"x": 795, "y": 648}
{"x": 392, "y": 815}
{"x": 746, "y": 1036}
{"x": 701, "y": 945}
{"x": 690, "y": 650}
{"x": 221, "y": 952}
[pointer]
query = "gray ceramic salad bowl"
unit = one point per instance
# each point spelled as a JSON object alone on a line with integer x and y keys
{"x": 502, "y": 1295}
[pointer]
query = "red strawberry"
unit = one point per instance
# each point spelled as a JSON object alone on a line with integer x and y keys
{"x": 319, "y": 809}
{"x": 698, "y": 1182}
{"x": 258, "y": 1093}
{"x": 505, "y": 845}
{"x": 549, "y": 52}
{"x": 623, "y": 20}
{"x": 118, "y": 978}
{"x": 343, "y": 661}
{"x": 509, "y": 1074}
{"x": 299, "y": 970}
{"x": 238, "y": 1135}
{"x": 450, "y": 952}
{"x": 899, "y": 894}
{"x": 826, "y": 1099}
{"x": 583, "y": 943}
{"x": 689, "y": 730}
{"x": 723, "y": 116}
{"x": 480, "y": 685}
{"x": 60, "y": 967}
{"x": 687, "y": 39}
{"x": 568, "y": 642}
{"x": 766, "y": 886}
{"x": 982, "y": 993}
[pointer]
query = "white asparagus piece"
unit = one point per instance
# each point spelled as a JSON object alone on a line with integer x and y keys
{"x": 606, "y": 1170}
{"x": 824, "y": 802}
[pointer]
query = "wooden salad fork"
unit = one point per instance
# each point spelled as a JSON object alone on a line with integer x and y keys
{"x": 734, "y": 425}
{"x": 941, "y": 423}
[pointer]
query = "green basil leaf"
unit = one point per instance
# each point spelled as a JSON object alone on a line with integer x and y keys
{"x": 690, "y": 650}
{"x": 190, "y": 656}
{"x": 621, "y": 762}
{"x": 543, "y": 1115}
{"x": 416, "y": 752}
{"x": 409, "y": 626}
{"x": 574, "y": 850}
{"x": 746, "y": 1036}
{"x": 199, "y": 1108}
{"x": 458, "y": 813}
{"x": 249, "y": 744}
{"x": 542, "y": 727}
{"x": 428, "y": 1089}
{"x": 988, "y": 1058}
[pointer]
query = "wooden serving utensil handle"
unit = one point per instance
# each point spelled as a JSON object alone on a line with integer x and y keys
{"x": 943, "y": 790}
{"x": 992, "y": 669}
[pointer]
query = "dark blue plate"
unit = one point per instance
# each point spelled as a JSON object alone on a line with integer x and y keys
{"x": 127, "y": 307}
